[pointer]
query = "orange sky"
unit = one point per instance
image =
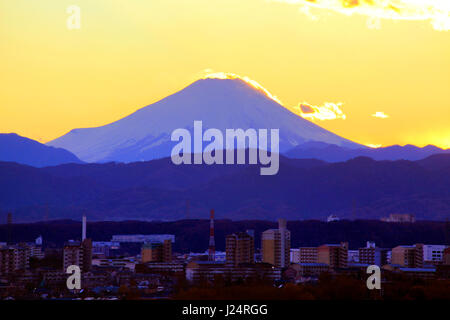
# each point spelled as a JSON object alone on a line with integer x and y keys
{"x": 391, "y": 77}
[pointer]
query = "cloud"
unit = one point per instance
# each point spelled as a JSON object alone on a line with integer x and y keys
{"x": 327, "y": 111}
{"x": 306, "y": 11}
{"x": 380, "y": 114}
{"x": 437, "y": 12}
{"x": 374, "y": 146}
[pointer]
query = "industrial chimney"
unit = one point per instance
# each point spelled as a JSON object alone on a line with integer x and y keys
{"x": 83, "y": 230}
{"x": 212, "y": 244}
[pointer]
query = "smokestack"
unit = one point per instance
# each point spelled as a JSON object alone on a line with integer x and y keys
{"x": 281, "y": 224}
{"x": 212, "y": 244}
{"x": 83, "y": 230}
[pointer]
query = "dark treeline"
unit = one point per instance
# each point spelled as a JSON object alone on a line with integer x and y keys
{"x": 341, "y": 287}
{"x": 193, "y": 235}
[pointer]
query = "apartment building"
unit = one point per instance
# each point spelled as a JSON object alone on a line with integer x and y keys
{"x": 157, "y": 251}
{"x": 240, "y": 248}
{"x": 197, "y": 271}
{"x": 333, "y": 255}
{"x": 78, "y": 253}
{"x": 14, "y": 258}
{"x": 372, "y": 255}
{"x": 276, "y": 245}
{"x": 408, "y": 256}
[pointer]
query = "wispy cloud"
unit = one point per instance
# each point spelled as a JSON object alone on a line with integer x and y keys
{"x": 327, "y": 111}
{"x": 435, "y": 11}
{"x": 380, "y": 114}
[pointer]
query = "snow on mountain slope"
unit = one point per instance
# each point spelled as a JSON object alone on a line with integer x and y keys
{"x": 219, "y": 103}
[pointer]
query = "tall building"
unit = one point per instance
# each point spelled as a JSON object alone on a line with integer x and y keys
{"x": 79, "y": 254}
{"x": 276, "y": 245}
{"x": 72, "y": 254}
{"x": 373, "y": 255}
{"x": 334, "y": 255}
{"x": 240, "y": 248}
{"x": 14, "y": 258}
{"x": 408, "y": 256}
{"x": 157, "y": 251}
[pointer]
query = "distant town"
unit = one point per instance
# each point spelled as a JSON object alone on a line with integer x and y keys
{"x": 144, "y": 266}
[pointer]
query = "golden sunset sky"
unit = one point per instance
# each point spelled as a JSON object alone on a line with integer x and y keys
{"x": 131, "y": 53}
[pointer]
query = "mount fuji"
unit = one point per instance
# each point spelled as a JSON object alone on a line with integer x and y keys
{"x": 218, "y": 103}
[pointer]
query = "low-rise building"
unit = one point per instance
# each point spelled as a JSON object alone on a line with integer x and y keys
{"x": 422, "y": 273}
{"x": 313, "y": 269}
{"x": 433, "y": 254}
{"x": 157, "y": 251}
{"x": 308, "y": 254}
{"x": 55, "y": 277}
{"x": 142, "y": 238}
{"x": 161, "y": 267}
{"x": 372, "y": 255}
{"x": 115, "y": 263}
{"x": 333, "y": 255}
{"x": 400, "y": 217}
{"x": 197, "y": 271}
{"x": 105, "y": 248}
{"x": 408, "y": 256}
{"x": 301, "y": 272}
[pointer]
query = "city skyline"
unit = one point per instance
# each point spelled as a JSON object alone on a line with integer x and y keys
{"x": 179, "y": 152}
{"x": 143, "y": 266}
